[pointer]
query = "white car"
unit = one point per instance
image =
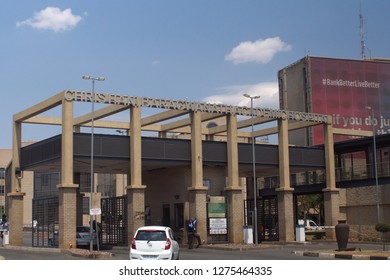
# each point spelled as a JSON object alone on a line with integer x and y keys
{"x": 310, "y": 225}
{"x": 154, "y": 243}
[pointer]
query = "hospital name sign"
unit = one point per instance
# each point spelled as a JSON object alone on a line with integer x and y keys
{"x": 126, "y": 100}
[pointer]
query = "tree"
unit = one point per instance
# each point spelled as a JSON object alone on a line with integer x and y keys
{"x": 383, "y": 228}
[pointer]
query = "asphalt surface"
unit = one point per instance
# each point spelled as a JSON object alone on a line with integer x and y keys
{"x": 264, "y": 251}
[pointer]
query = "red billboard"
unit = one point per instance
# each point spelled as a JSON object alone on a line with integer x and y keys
{"x": 345, "y": 88}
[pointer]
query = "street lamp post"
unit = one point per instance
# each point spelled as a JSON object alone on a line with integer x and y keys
{"x": 92, "y": 152}
{"x": 254, "y": 167}
{"x": 374, "y": 163}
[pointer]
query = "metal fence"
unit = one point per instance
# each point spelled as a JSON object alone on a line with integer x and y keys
{"x": 45, "y": 222}
{"x": 114, "y": 221}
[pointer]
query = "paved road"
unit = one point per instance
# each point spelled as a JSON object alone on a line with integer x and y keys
{"x": 277, "y": 252}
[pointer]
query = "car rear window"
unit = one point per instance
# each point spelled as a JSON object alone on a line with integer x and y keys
{"x": 151, "y": 235}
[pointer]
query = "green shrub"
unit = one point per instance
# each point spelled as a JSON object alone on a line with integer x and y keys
{"x": 382, "y": 227}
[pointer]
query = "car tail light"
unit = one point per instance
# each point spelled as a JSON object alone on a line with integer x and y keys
{"x": 167, "y": 244}
{"x": 133, "y": 246}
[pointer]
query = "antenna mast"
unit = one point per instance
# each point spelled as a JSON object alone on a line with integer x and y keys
{"x": 362, "y": 35}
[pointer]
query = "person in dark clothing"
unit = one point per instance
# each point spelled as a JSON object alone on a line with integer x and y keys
{"x": 192, "y": 233}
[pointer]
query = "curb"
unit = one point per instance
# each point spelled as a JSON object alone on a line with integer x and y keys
{"x": 93, "y": 255}
{"x": 339, "y": 256}
{"x": 240, "y": 248}
{"x": 74, "y": 253}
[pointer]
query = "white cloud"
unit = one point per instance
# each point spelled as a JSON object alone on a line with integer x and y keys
{"x": 233, "y": 95}
{"x": 260, "y": 51}
{"x": 52, "y": 18}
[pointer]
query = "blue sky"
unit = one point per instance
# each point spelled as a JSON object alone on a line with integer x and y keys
{"x": 204, "y": 50}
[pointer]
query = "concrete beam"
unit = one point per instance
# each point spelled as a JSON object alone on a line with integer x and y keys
{"x": 39, "y": 108}
{"x": 162, "y": 116}
{"x": 343, "y": 131}
{"x": 99, "y": 114}
{"x": 44, "y": 120}
{"x": 187, "y": 121}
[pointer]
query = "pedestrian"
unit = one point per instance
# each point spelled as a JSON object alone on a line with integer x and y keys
{"x": 192, "y": 233}
{"x": 3, "y": 225}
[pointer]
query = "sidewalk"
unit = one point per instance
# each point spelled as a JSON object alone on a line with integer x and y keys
{"x": 319, "y": 249}
{"x": 355, "y": 251}
{"x": 348, "y": 255}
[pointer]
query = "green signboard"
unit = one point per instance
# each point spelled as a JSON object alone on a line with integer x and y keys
{"x": 217, "y": 207}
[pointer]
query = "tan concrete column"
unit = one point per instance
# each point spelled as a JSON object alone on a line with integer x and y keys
{"x": 198, "y": 209}
{"x": 285, "y": 192}
{"x": 67, "y": 190}
{"x": 15, "y": 198}
{"x": 16, "y": 149}
{"x": 232, "y": 151}
{"x": 233, "y": 189}
{"x": 196, "y": 149}
{"x": 162, "y": 134}
{"x": 135, "y": 191}
{"x": 135, "y": 209}
{"x": 331, "y": 194}
{"x": 135, "y": 147}
{"x": 197, "y": 196}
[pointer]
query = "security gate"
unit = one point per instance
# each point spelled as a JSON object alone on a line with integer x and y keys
{"x": 114, "y": 221}
{"x": 267, "y": 218}
{"x": 45, "y": 222}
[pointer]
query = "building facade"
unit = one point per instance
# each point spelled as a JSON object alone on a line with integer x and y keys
{"x": 26, "y": 187}
{"x": 178, "y": 178}
{"x": 356, "y": 94}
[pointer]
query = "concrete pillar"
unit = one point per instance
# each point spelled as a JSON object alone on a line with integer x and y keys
{"x": 331, "y": 194}
{"x": 15, "y": 215}
{"x": 196, "y": 149}
{"x": 135, "y": 209}
{"x": 162, "y": 134}
{"x": 197, "y": 196}
{"x": 232, "y": 151}
{"x": 285, "y": 192}
{"x": 15, "y": 197}
{"x": 67, "y": 216}
{"x": 135, "y": 147}
{"x": 135, "y": 191}
{"x": 67, "y": 190}
{"x": 16, "y": 148}
{"x": 198, "y": 209}
{"x": 233, "y": 190}
{"x": 285, "y": 214}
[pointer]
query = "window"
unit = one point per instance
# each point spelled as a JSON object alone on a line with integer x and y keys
{"x": 2, "y": 190}
{"x": 207, "y": 183}
{"x": 2, "y": 173}
{"x": 86, "y": 205}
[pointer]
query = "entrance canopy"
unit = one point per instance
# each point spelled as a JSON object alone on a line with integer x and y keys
{"x": 173, "y": 117}
{"x": 191, "y": 133}
{"x": 172, "y": 121}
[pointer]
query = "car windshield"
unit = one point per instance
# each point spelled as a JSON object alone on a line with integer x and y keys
{"x": 151, "y": 235}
